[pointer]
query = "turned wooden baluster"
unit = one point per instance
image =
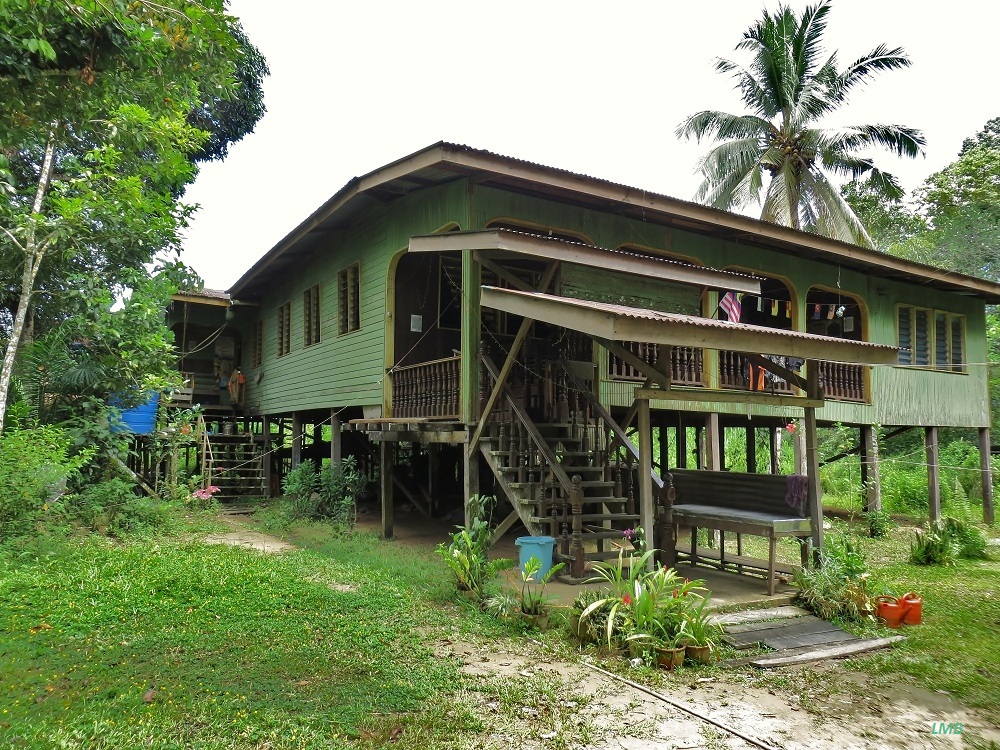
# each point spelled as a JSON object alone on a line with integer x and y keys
{"x": 564, "y": 523}
{"x": 553, "y": 503}
{"x": 630, "y": 496}
{"x": 576, "y": 501}
{"x": 523, "y": 453}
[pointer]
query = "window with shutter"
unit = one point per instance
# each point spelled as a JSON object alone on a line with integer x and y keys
{"x": 284, "y": 329}
{"x": 930, "y": 338}
{"x": 349, "y": 293}
{"x": 904, "y": 320}
{"x": 258, "y": 344}
{"x": 310, "y": 316}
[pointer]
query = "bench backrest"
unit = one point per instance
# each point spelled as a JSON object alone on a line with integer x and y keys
{"x": 761, "y": 493}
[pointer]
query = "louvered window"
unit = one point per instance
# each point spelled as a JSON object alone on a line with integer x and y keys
{"x": 284, "y": 329}
{"x": 310, "y": 316}
{"x": 349, "y": 292}
{"x": 930, "y": 338}
{"x": 258, "y": 344}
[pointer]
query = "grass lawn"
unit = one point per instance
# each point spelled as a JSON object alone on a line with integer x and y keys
{"x": 177, "y": 644}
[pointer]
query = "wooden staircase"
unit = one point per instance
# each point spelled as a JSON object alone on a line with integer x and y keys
{"x": 573, "y": 477}
{"x": 235, "y": 464}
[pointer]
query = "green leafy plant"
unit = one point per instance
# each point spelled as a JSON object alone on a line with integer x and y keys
{"x": 941, "y": 542}
{"x": 467, "y": 555}
{"x": 840, "y": 586}
{"x": 533, "y": 599}
{"x": 339, "y": 488}
{"x": 880, "y": 523}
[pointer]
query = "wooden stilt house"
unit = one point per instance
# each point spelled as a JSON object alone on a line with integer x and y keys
{"x": 466, "y": 322}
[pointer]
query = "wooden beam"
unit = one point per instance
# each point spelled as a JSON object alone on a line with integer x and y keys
{"x": 652, "y": 373}
{"x": 297, "y": 434}
{"x": 729, "y": 397}
{"x": 933, "y": 473}
{"x": 503, "y": 273}
{"x": 751, "y": 433}
{"x": 505, "y": 525}
{"x": 815, "y": 490}
{"x": 713, "y": 457}
{"x": 470, "y": 482}
{"x": 986, "y": 474}
{"x": 837, "y": 651}
{"x": 266, "y": 458}
{"x": 508, "y": 365}
{"x": 645, "y": 469}
{"x": 580, "y": 254}
{"x": 336, "y": 438}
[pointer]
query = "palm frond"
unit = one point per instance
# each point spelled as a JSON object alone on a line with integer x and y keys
{"x": 878, "y": 60}
{"x": 723, "y": 126}
{"x": 829, "y": 214}
{"x": 781, "y": 198}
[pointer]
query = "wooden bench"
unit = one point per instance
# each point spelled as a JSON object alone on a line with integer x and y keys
{"x": 752, "y": 504}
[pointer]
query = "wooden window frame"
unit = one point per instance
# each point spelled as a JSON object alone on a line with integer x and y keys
{"x": 942, "y": 353}
{"x": 311, "y": 316}
{"x": 349, "y": 299}
{"x": 258, "y": 344}
{"x": 285, "y": 329}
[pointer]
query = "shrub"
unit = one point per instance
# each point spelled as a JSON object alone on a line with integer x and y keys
{"x": 839, "y": 586}
{"x": 880, "y": 523}
{"x": 299, "y": 488}
{"x": 339, "y": 488}
{"x": 35, "y": 463}
{"x": 944, "y": 541}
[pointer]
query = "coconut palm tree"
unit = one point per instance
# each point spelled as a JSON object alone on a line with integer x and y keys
{"x": 788, "y": 89}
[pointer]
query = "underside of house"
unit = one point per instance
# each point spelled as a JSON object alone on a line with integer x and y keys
{"x": 464, "y": 323}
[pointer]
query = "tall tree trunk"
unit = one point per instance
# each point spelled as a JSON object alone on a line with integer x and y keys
{"x": 33, "y": 251}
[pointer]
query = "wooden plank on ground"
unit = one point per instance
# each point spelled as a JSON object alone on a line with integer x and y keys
{"x": 810, "y": 628}
{"x": 756, "y": 615}
{"x": 832, "y": 652}
{"x": 810, "y": 639}
{"x": 803, "y": 624}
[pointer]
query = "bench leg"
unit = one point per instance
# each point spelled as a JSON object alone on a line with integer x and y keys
{"x": 739, "y": 552}
{"x": 722, "y": 550}
{"x": 804, "y": 552}
{"x": 694, "y": 546}
{"x": 771, "y": 552}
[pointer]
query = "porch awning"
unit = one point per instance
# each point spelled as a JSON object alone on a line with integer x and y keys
{"x": 552, "y": 248}
{"x": 621, "y": 323}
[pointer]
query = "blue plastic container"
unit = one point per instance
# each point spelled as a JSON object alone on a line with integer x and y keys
{"x": 536, "y": 546}
{"x": 140, "y": 419}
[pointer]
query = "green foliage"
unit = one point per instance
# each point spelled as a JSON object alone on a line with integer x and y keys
{"x": 339, "y": 488}
{"x": 35, "y": 464}
{"x": 840, "y": 586}
{"x": 879, "y": 523}
{"x": 467, "y": 554}
{"x": 299, "y": 486}
{"x": 112, "y": 507}
{"x": 944, "y": 541}
{"x": 787, "y": 89}
{"x": 532, "y": 599}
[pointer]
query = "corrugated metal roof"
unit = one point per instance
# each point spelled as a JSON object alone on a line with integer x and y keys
{"x": 205, "y": 293}
{"x": 636, "y": 313}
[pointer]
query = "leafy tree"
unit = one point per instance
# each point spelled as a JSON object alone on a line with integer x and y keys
{"x": 989, "y": 137}
{"x": 788, "y": 88}
{"x": 96, "y": 135}
{"x": 889, "y": 221}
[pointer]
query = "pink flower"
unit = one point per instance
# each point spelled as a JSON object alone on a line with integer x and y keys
{"x": 629, "y": 534}
{"x": 626, "y": 599}
{"x": 790, "y": 426}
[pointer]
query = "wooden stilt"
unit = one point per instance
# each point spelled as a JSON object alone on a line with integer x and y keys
{"x": 722, "y": 448}
{"x": 385, "y": 470}
{"x": 774, "y": 449}
{"x": 986, "y": 472}
{"x": 712, "y": 459}
{"x": 809, "y": 438}
{"x": 266, "y": 428}
{"x": 682, "y": 443}
{"x": 933, "y": 473}
{"x": 870, "y": 473}
{"x": 336, "y": 438}
{"x": 471, "y": 478}
{"x": 296, "y": 439}
{"x": 662, "y": 427}
{"x": 645, "y": 465}
{"x": 751, "y": 449}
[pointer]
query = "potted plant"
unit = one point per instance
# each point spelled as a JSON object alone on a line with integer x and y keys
{"x": 701, "y": 633}
{"x": 534, "y": 604}
{"x": 467, "y": 555}
{"x": 669, "y": 640}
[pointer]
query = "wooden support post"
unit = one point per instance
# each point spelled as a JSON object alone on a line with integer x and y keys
{"x": 576, "y": 545}
{"x": 812, "y": 473}
{"x": 266, "y": 458}
{"x": 751, "y": 449}
{"x": 470, "y": 478}
{"x": 870, "y": 474}
{"x": 986, "y": 472}
{"x": 433, "y": 454}
{"x": 699, "y": 447}
{"x": 645, "y": 467}
{"x": 385, "y": 471}
{"x": 712, "y": 459}
{"x": 774, "y": 449}
{"x": 722, "y": 448}
{"x": 800, "y": 449}
{"x": 336, "y": 438}
{"x": 296, "y": 439}
{"x": 664, "y": 464}
{"x": 933, "y": 473}
{"x": 682, "y": 442}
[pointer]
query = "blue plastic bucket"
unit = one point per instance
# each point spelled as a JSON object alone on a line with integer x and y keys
{"x": 140, "y": 419}
{"x": 536, "y": 546}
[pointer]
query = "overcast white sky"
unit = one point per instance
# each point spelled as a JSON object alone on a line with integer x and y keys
{"x": 593, "y": 87}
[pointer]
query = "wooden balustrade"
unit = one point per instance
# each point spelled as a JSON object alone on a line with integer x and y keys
{"x": 428, "y": 389}
{"x": 842, "y": 382}
{"x": 685, "y": 363}
{"x": 736, "y": 372}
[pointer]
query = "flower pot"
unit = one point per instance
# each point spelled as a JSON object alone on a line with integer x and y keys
{"x": 670, "y": 658}
{"x": 699, "y": 654}
{"x": 541, "y": 621}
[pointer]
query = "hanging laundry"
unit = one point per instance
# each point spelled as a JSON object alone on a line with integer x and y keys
{"x": 831, "y": 312}
{"x": 760, "y": 303}
{"x": 788, "y": 309}
{"x": 816, "y": 312}
{"x": 730, "y": 304}
{"x": 774, "y": 308}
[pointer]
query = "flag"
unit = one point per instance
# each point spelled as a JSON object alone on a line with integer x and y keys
{"x": 774, "y": 308}
{"x": 788, "y": 309}
{"x": 731, "y": 305}
{"x": 831, "y": 312}
{"x": 816, "y": 312}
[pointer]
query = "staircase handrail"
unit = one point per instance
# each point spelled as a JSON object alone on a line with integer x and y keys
{"x": 536, "y": 437}
{"x": 207, "y": 457}
{"x": 620, "y": 435}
